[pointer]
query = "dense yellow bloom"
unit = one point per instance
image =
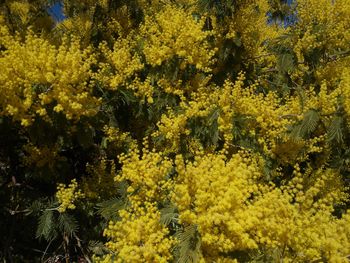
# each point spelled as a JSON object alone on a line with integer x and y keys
{"x": 67, "y": 195}
{"x": 345, "y": 90}
{"x": 264, "y": 112}
{"x": 251, "y": 24}
{"x": 21, "y": 9}
{"x": 215, "y": 190}
{"x": 114, "y": 136}
{"x": 147, "y": 174}
{"x": 173, "y": 32}
{"x": 80, "y": 26}
{"x": 139, "y": 236}
{"x": 122, "y": 63}
{"x": 332, "y": 15}
{"x": 143, "y": 89}
{"x": 235, "y": 210}
{"x": 323, "y": 25}
{"x": 242, "y": 120}
{"x": 37, "y": 76}
{"x": 172, "y": 127}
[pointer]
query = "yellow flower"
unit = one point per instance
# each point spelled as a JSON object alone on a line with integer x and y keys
{"x": 66, "y": 195}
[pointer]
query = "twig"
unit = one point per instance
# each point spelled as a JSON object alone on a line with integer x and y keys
{"x": 47, "y": 247}
{"x": 81, "y": 248}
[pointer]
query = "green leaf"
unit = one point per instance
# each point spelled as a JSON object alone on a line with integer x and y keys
{"x": 285, "y": 62}
{"x": 168, "y": 214}
{"x": 237, "y": 40}
{"x": 188, "y": 248}
{"x": 335, "y": 131}
{"x": 35, "y": 207}
{"x": 301, "y": 93}
{"x": 307, "y": 125}
{"x": 122, "y": 189}
{"x": 97, "y": 247}
{"x": 108, "y": 209}
{"x": 104, "y": 142}
{"x": 67, "y": 224}
{"x": 46, "y": 226}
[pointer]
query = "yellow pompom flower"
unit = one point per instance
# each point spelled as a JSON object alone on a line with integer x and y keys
{"x": 67, "y": 195}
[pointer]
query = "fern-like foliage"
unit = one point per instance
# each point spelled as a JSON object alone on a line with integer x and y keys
{"x": 108, "y": 209}
{"x": 307, "y": 125}
{"x": 67, "y": 224}
{"x": 285, "y": 63}
{"x": 169, "y": 215}
{"x": 205, "y": 129}
{"x": 35, "y": 207}
{"x": 46, "y": 226}
{"x": 335, "y": 130}
{"x": 97, "y": 247}
{"x": 266, "y": 255}
{"x": 188, "y": 248}
{"x": 220, "y": 8}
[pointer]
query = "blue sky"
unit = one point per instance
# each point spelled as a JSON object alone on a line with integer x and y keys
{"x": 56, "y": 11}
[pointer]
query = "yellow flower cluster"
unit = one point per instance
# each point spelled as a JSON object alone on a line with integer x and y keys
{"x": 332, "y": 70}
{"x": 327, "y": 99}
{"x": 100, "y": 183}
{"x": 40, "y": 156}
{"x": 323, "y": 25}
{"x": 79, "y": 26}
{"x": 250, "y": 23}
{"x": 173, "y": 125}
{"x": 147, "y": 174}
{"x": 235, "y": 210}
{"x": 157, "y": 40}
{"x": 67, "y": 195}
{"x": 173, "y": 32}
{"x": 122, "y": 63}
{"x": 143, "y": 89}
{"x": 116, "y": 138}
{"x": 345, "y": 90}
{"x": 211, "y": 193}
{"x": 139, "y": 236}
{"x": 37, "y": 78}
{"x": 264, "y": 112}
{"x": 21, "y": 9}
{"x": 177, "y": 63}
{"x": 333, "y": 15}
{"x": 226, "y": 102}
